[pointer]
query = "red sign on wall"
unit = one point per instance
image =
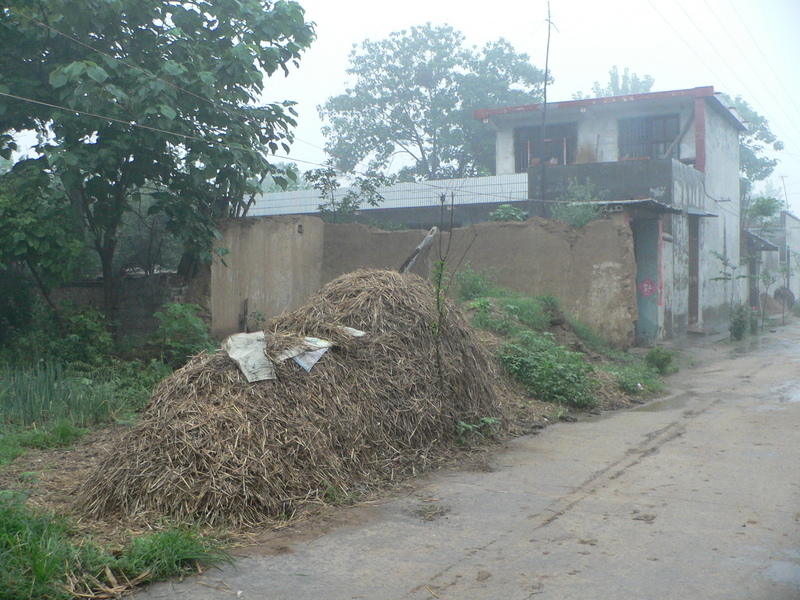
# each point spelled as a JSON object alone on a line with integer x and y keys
{"x": 647, "y": 287}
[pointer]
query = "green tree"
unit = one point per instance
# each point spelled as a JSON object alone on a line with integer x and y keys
{"x": 761, "y": 214}
{"x": 38, "y": 227}
{"x": 156, "y": 97}
{"x": 334, "y": 207}
{"x": 753, "y": 165}
{"x": 619, "y": 85}
{"x": 414, "y": 95}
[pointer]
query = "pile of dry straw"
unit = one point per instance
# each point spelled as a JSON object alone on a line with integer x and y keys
{"x": 214, "y": 447}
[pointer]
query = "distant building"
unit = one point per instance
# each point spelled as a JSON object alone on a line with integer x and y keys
{"x": 668, "y": 164}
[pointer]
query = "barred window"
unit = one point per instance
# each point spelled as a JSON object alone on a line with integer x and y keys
{"x": 649, "y": 137}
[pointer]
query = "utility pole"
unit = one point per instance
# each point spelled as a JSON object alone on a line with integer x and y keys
{"x": 544, "y": 113}
{"x": 785, "y": 195}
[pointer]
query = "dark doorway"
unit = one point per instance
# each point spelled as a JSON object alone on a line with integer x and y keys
{"x": 646, "y": 234}
{"x": 694, "y": 270}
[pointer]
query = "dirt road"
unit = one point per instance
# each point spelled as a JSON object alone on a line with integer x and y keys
{"x": 693, "y": 496}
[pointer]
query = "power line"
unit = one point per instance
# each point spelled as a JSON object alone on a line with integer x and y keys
{"x": 700, "y": 58}
{"x": 147, "y": 127}
{"x": 766, "y": 60}
{"x": 750, "y": 64}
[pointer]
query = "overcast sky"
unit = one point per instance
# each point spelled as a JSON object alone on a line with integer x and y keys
{"x": 741, "y": 47}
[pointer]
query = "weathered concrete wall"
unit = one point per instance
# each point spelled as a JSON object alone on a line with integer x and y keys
{"x": 138, "y": 297}
{"x": 349, "y": 247}
{"x": 274, "y": 264}
{"x": 592, "y": 271}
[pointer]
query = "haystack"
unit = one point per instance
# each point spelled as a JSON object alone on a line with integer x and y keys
{"x": 212, "y": 446}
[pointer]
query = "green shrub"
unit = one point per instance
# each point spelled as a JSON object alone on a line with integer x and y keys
{"x": 473, "y": 284}
{"x": 76, "y": 334}
{"x": 87, "y": 336}
{"x": 508, "y": 212}
{"x": 16, "y": 303}
{"x": 181, "y": 335}
{"x": 660, "y": 359}
{"x": 548, "y": 371}
{"x": 740, "y": 321}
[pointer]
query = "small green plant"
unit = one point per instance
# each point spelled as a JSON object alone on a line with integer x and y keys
{"x": 484, "y": 427}
{"x": 533, "y": 312}
{"x": 578, "y": 206}
{"x": 637, "y": 379}
{"x": 660, "y": 359}
{"x": 501, "y": 324}
{"x": 182, "y": 334}
{"x": 740, "y": 321}
{"x": 473, "y": 284}
{"x": 548, "y": 371}
{"x": 508, "y": 212}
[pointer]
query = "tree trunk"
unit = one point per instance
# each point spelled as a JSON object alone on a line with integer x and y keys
{"x": 109, "y": 282}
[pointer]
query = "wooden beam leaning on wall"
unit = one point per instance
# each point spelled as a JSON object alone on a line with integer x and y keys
{"x": 409, "y": 262}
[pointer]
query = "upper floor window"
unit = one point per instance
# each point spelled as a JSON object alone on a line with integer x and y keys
{"x": 649, "y": 137}
{"x": 557, "y": 147}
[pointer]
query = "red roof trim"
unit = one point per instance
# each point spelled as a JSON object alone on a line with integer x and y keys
{"x": 484, "y": 113}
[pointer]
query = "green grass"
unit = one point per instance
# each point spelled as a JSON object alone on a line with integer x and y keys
{"x": 47, "y": 393}
{"x": 636, "y": 378}
{"x": 531, "y": 312}
{"x": 39, "y": 555}
{"x": 81, "y": 394}
{"x": 14, "y": 441}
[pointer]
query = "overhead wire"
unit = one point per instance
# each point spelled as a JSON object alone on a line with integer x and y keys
{"x": 711, "y": 70}
{"x": 747, "y": 61}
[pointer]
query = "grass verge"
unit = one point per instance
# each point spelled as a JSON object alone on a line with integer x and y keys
{"x": 40, "y": 558}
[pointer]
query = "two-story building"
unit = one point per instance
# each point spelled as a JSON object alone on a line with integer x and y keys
{"x": 668, "y": 164}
